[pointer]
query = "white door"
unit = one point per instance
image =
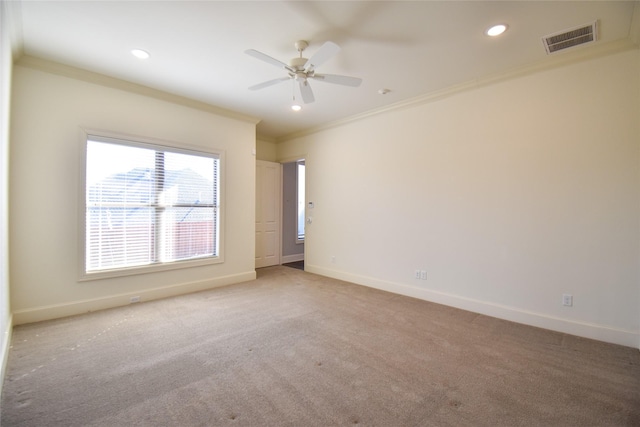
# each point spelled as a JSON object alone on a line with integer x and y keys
{"x": 267, "y": 213}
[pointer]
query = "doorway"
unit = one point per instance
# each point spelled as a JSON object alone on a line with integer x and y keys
{"x": 293, "y": 215}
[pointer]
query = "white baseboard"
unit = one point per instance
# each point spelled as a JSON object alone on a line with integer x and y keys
{"x": 6, "y": 344}
{"x": 79, "y": 307}
{"x": 540, "y": 320}
{"x": 291, "y": 258}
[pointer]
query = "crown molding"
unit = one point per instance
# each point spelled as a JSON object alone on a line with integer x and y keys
{"x": 114, "y": 83}
{"x": 548, "y": 63}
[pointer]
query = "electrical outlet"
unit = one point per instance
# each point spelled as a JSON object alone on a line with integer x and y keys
{"x": 333, "y": 259}
{"x": 567, "y": 300}
{"x": 423, "y": 275}
{"x": 416, "y": 274}
{"x": 134, "y": 299}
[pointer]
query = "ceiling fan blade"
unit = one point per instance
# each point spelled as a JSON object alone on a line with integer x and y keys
{"x": 306, "y": 92}
{"x": 325, "y": 52}
{"x": 337, "y": 79}
{"x": 268, "y": 83}
{"x": 266, "y": 58}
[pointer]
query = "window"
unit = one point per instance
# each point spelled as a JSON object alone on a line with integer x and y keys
{"x": 148, "y": 205}
{"x": 300, "y": 183}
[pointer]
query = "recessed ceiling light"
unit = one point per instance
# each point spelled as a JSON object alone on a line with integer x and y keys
{"x": 496, "y": 30}
{"x": 296, "y": 107}
{"x": 140, "y": 54}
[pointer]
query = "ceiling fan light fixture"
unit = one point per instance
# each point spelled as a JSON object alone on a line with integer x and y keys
{"x": 140, "y": 54}
{"x": 496, "y": 30}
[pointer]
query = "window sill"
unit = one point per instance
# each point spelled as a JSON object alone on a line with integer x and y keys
{"x": 144, "y": 269}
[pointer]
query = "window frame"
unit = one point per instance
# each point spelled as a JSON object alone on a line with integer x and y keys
{"x": 155, "y": 144}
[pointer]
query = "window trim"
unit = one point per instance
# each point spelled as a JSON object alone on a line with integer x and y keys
{"x": 144, "y": 142}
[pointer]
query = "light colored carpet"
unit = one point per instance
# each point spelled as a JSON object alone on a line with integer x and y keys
{"x": 297, "y": 349}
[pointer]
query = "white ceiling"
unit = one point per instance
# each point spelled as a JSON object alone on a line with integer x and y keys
{"x": 413, "y": 48}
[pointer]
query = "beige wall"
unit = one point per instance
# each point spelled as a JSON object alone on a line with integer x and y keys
{"x": 508, "y": 195}
{"x": 265, "y": 150}
{"x": 48, "y": 111}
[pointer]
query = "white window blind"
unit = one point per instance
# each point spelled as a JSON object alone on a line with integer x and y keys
{"x": 148, "y": 205}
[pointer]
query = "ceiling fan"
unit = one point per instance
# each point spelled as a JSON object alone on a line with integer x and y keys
{"x": 302, "y": 69}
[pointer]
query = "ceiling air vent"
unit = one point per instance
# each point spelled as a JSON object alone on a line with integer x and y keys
{"x": 570, "y": 38}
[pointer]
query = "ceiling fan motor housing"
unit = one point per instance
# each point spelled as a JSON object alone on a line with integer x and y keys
{"x": 298, "y": 63}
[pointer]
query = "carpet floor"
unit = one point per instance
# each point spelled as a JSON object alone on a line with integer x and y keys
{"x": 296, "y": 349}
